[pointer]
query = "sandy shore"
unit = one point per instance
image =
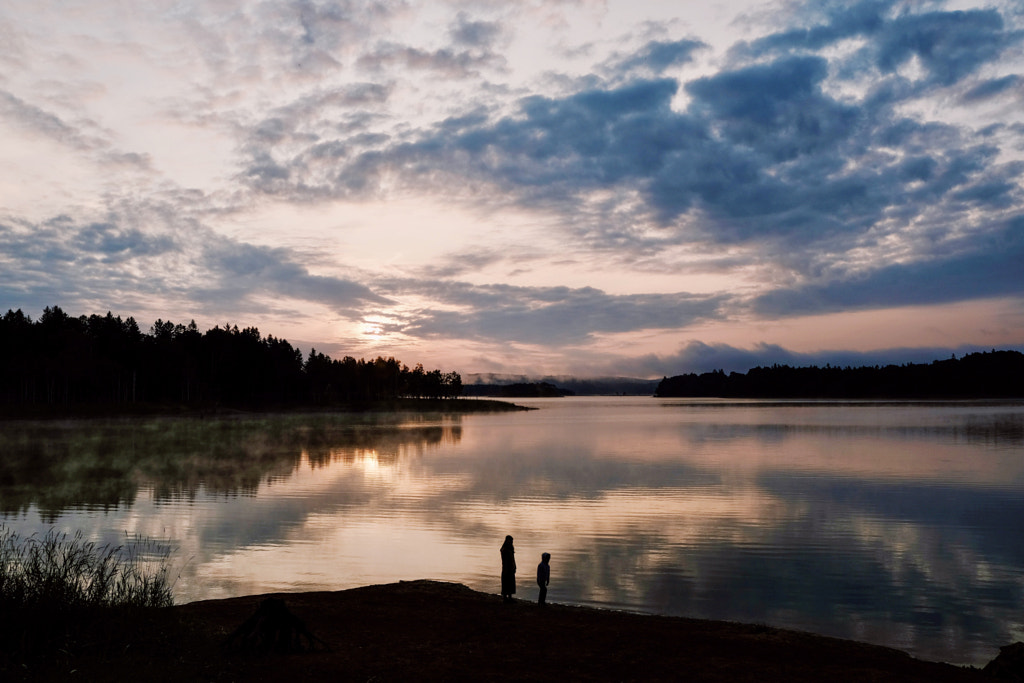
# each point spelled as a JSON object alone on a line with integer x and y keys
{"x": 428, "y": 630}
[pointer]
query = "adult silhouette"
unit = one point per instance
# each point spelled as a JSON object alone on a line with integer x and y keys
{"x": 508, "y": 569}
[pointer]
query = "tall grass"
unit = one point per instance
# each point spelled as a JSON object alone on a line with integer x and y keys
{"x": 59, "y": 572}
{"x": 62, "y": 596}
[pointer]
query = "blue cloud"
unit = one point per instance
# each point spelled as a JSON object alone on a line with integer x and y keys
{"x": 757, "y": 92}
{"x": 113, "y": 243}
{"x": 950, "y": 45}
{"x": 988, "y": 266}
{"x": 659, "y": 55}
{"x": 840, "y": 20}
{"x": 991, "y": 88}
{"x": 777, "y": 108}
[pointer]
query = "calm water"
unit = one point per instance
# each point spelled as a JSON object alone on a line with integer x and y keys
{"x": 896, "y": 523}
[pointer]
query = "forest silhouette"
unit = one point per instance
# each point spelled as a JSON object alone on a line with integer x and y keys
{"x": 995, "y": 374}
{"x": 61, "y": 363}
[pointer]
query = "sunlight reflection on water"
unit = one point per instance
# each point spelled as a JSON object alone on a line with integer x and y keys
{"x": 896, "y": 523}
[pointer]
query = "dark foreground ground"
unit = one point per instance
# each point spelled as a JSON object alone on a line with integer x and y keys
{"x": 427, "y": 630}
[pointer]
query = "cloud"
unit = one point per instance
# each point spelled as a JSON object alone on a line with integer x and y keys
{"x": 461, "y": 263}
{"x": 444, "y": 62}
{"x": 302, "y": 40}
{"x": 468, "y": 33}
{"x": 991, "y": 88}
{"x": 237, "y": 268}
{"x": 113, "y": 265}
{"x": 62, "y": 262}
{"x": 291, "y": 147}
{"x": 113, "y": 244}
{"x": 591, "y": 139}
{"x": 656, "y": 57}
{"x": 776, "y": 107}
{"x": 38, "y": 121}
{"x": 829, "y": 23}
{"x": 981, "y": 267}
{"x": 948, "y": 45}
{"x": 535, "y": 315}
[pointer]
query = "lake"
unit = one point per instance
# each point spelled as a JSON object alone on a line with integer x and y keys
{"x": 893, "y": 523}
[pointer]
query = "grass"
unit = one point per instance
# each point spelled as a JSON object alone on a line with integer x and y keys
{"x": 58, "y": 572}
{"x": 62, "y": 594}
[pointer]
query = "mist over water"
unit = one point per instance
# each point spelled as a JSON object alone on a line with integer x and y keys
{"x": 895, "y": 523}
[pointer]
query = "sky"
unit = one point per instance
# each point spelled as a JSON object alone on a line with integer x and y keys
{"x": 578, "y": 187}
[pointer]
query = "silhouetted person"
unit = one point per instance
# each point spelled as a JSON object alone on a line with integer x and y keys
{"x": 543, "y": 577}
{"x": 508, "y": 569}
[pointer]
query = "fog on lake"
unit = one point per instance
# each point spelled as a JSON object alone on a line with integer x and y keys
{"x": 893, "y": 523}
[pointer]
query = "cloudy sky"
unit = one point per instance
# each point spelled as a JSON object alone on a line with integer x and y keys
{"x": 587, "y": 187}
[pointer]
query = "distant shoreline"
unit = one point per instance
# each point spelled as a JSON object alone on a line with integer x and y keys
{"x": 995, "y": 374}
{"x": 460, "y": 406}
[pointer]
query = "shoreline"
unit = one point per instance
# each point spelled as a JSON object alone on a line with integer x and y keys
{"x": 432, "y": 630}
{"x": 453, "y": 406}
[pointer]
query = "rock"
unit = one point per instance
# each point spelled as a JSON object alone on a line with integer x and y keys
{"x": 1008, "y": 664}
{"x": 273, "y": 628}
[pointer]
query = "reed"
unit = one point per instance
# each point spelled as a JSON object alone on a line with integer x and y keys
{"x": 55, "y": 571}
{"x": 62, "y": 595}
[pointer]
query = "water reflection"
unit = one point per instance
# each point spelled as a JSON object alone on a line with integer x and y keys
{"x": 53, "y": 466}
{"x": 897, "y": 524}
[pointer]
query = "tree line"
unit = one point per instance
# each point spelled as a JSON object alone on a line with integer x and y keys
{"x": 105, "y": 361}
{"x": 995, "y": 374}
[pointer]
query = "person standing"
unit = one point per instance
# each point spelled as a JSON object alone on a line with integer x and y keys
{"x": 543, "y": 577}
{"x": 508, "y": 569}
